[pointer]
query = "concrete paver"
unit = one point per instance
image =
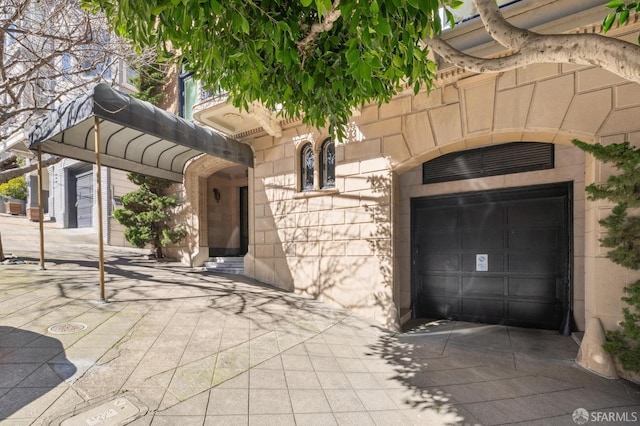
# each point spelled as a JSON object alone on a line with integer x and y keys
{"x": 204, "y": 349}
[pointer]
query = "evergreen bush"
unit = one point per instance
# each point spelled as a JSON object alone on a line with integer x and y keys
{"x": 146, "y": 214}
{"x": 623, "y": 238}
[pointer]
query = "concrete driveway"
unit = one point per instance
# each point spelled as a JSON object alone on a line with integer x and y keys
{"x": 177, "y": 346}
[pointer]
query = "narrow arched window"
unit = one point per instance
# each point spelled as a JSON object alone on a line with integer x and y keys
{"x": 328, "y": 160}
{"x": 307, "y": 164}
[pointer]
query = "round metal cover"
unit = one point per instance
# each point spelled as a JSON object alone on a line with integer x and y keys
{"x": 67, "y": 328}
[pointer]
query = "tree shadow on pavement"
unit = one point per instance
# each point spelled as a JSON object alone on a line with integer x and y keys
{"x": 31, "y": 365}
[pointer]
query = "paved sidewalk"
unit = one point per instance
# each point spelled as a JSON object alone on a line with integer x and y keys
{"x": 187, "y": 347}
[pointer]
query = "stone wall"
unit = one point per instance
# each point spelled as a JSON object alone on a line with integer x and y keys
{"x": 338, "y": 245}
{"x": 333, "y": 244}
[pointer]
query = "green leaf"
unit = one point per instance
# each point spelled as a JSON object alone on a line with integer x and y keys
{"x": 158, "y": 9}
{"x": 624, "y": 15}
{"x": 374, "y": 7}
{"x": 365, "y": 70}
{"x": 383, "y": 27}
{"x": 450, "y": 18}
{"x": 306, "y": 3}
{"x": 456, "y": 4}
{"x": 244, "y": 24}
{"x": 608, "y": 22}
{"x": 215, "y": 6}
{"x": 323, "y": 6}
{"x": 283, "y": 26}
{"x": 307, "y": 84}
{"x": 613, "y": 4}
{"x": 425, "y": 6}
{"x": 353, "y": 56}
{"x": 397, "y": 61}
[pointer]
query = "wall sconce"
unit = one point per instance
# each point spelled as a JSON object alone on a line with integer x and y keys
{"x": 216, "y": 195}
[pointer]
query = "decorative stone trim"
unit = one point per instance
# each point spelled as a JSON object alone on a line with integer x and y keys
{"x": 316, "y": 193}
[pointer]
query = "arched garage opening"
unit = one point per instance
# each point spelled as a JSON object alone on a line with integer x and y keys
{"x": 494, "y": 240}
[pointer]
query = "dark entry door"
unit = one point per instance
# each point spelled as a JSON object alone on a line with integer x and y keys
{"x": 493, "y": 257}
{"x": 244, "y": 220}
{"x": 84, "y": 199}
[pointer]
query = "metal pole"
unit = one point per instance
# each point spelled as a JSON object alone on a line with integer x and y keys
{"x": 40, "y": 208}
{"x": 96, "y": 128}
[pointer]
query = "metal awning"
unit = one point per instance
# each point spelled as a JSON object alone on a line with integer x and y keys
{"x": 110, "y": 128}
{"x": 135, "y": 136}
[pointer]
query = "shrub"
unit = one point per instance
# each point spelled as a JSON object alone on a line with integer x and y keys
{"x": 15, "y": 188}
{"x": 623, "y": 235}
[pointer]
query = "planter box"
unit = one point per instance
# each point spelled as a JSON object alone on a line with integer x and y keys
{"x": 13, "y": 207}
{"x": 33, "y": 214}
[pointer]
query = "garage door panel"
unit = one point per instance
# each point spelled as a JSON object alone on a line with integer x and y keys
{"x": 532, "y": 262}
{"x": 431, "y": 306}
{"x": 535, "y": 212}
{"x": 482, "y": 239}
{"x": 543, "y": 288}
{"x": 441, "y": 240}
{"x": 440, "y": 262}
{"x": 483, "y": 310}
{"x": 524, "y": 232}
{"x": 438, "y": 220}
{"x": 481, "y": 216}
{"x": 541, "y": 314}
{"x": 483, "y": 286}
{"x": 496, "y": 261}
{"x": 534, "y": 238}
{"x": 440, "y": 284}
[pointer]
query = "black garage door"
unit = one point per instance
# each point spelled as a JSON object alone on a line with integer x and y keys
{"x": 500, "y": 257}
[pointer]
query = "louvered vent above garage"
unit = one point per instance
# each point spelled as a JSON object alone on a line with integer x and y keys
{"x": 515, "y": 157}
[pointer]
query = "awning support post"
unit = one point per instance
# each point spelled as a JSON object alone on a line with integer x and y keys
{"x": 96, "y": 128}
{"x": 40, "y": 208}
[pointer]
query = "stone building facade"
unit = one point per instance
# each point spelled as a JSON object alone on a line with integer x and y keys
{"x": 356, "y": 243}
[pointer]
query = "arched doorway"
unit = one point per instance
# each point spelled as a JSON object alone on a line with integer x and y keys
{"x": 227, "y": 212}
{"x": 215, "y": 211}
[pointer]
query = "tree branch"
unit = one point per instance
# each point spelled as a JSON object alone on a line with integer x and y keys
{"x": 318, "y": 28}
{"x": 617, "y": 56}
{"x": 498, "y": 27}
{"x": 7, "y": 175}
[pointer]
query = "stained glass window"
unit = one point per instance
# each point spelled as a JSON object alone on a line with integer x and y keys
{"x": 307, "y": 164}
{"x": 328, "y": 164}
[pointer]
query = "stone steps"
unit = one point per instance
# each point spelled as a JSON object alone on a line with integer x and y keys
{"x": 225, "y": 265}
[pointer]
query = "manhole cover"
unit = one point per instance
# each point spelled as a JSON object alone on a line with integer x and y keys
{"x": 67, "y": 328}
{"x": 114, "y": 412}
{"x": 103, "y": 411}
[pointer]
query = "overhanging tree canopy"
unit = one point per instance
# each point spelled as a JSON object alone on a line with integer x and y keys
{"x": 318, "y": 59}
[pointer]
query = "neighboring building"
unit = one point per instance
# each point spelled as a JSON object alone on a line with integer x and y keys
{"x": 68, "y": 186}
{"x": 429, "y": 208}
